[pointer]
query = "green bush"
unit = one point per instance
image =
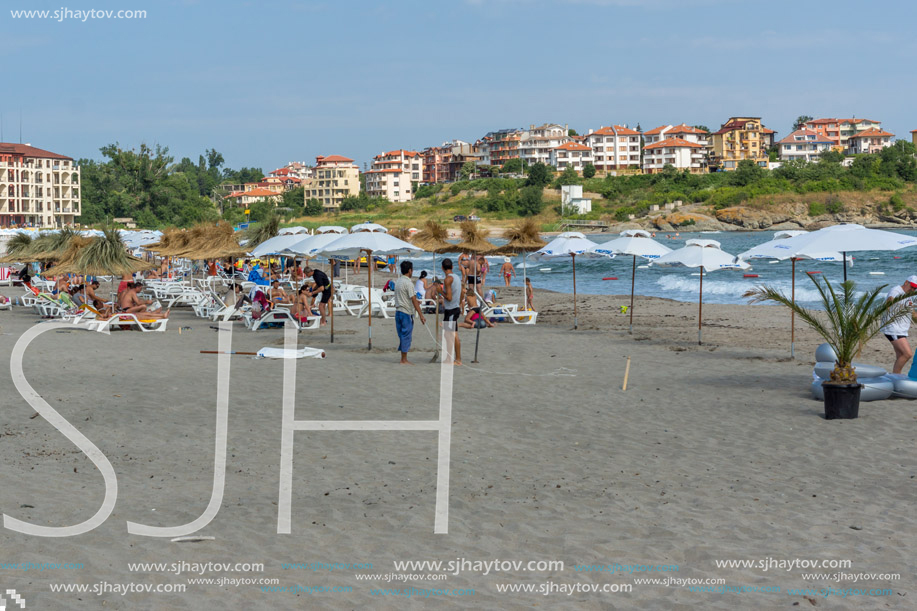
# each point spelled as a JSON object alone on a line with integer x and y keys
{"x": 896, "y": 202}
{"x": 622, "y": 214}
{"x": 816, "y": 209}
{"x": 531, "y": 201}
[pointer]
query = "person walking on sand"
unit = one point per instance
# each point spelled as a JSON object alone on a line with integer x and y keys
{"x": 508, "y": 271}
{"x": 451, "y": 292}
{"x": 896, "y": 327}
{"x": 322, "y": 286}
{"x": 529, "y": 295}
{"x": 406, "y": 304}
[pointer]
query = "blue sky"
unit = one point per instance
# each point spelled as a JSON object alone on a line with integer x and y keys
{"x": 270, "y": 82}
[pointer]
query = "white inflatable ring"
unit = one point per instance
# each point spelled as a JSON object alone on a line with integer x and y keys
{"x": 874, "y": 389}
{"x": 825, "y": 353}
{"x": 904, "y": 386}
{"x": 823, "y": 370}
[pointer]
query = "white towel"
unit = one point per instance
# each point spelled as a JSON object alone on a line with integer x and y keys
{"x": 283, "y": 353}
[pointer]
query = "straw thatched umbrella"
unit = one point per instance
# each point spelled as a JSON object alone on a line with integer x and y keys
{"x": 522, "y": 238}
{"x": 213, "y": 242}
{"x": 53, "y": 246}
{"x": 17, "y": 245}
{"x": 402, "y": 233}
{"x": 104, "y": 255}
{"x": 26, "y": 253}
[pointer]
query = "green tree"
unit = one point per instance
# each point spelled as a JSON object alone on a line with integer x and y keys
{"x": 831, "y": 156}
{"x": 294, "y": 199}
{"x": 589, "y": 170}
{"x": 572, "y": 132}
{"x": 531, "y": 201}
{"x": 746, "y": 173}
{"x": 539, "y": 175}
{"x": 260, "y": 210}
{"x": 898, "y": 161}
{"x": 568, "y": 177}
{"x": 512, "y": 166}
{"x": 702, "y": 127}
{"x": 467, "y": 170}
{"x": 314, "y": 207}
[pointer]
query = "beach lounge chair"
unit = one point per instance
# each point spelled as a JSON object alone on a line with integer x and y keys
{"x": 283, "y": 317}
{"x": 147, "y": 325}
{"x": 378, "y": 304}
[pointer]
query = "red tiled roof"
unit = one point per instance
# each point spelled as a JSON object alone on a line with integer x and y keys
{"x": 572, "y": 146}
{"x": 280, "y": 172}
{"x": 872, "y": 132}
{"x": 398, "y": 153}
{"x": 739, "y": 124}
{"x": 253, "y": 193}
{"x": 765, "y": 130}
{"x": 805, "y": 132}
{"x": 333, "y": 158}
{"x": 8, "y": 148}
{"x": 656, "y": 130}
{"x": 616, "y": 130}
{"x": 672, "y": 143}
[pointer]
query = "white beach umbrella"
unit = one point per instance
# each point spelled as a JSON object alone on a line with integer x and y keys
{"x": 293, "y": 230}
{"x": 844, "y": 238}
{"x": 778, "y": 249}
{"x": 707, "y": 255}
{"x": 370, "y": 227}
{"x": 636, "y": 243}
{"x": 331, "y": 229}
{"x": 275, "y": 246}
{"x": 569, "y": 244}
{"x": 368, "y": 241}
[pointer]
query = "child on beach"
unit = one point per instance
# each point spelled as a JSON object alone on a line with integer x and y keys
{"x": 529, "y": 295}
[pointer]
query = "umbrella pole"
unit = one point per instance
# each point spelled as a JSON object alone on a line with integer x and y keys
{"x": 435, "y": 314}
{"x": 793, "y": 315}
{"x": 700, "y": 307}
{"x": 369, "y": 259}
{"x": 633, "y": 278}
{"x": 331, "y": 307}
{"x": 844, "y": 254}
{"x": 575, "y": 325}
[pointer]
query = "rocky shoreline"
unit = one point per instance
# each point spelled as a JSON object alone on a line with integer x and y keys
{"x": 700, "y": 217}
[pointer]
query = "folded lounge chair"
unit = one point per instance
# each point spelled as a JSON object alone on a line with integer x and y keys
{"x": 128, "y": 319}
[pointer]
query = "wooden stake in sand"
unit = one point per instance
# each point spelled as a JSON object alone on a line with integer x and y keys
{"x": 626, "y": 374}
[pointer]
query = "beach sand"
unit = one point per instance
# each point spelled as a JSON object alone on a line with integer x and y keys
{"x": 714, "y": 452}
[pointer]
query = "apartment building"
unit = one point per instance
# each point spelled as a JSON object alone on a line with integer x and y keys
{"x": 804, "y": 144}
{"x": 500, "y": 146}
{"x": 334, "y": 177}
{"x": 249, "y": 196}
{"x": 571, "y": 155}
{"x": 741, "y": 138}
{"x": 614, "y": 148}
{"x": 871, "y": 140}
{"x": 393, "y": 175}
{"x": 444, "y": 163}
{"x": 914, "y": 137}
{"x": 38, "y": 188}
{"x": 841, "y": 130}
{"x": 537, "y": 143}
{"x": 685, "y": 148}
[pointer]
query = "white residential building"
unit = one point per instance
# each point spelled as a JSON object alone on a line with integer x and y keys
{"x": 335, "y": 178}
{"x": 536, "y": 143}
{"x": 571, "y": 155}
{"x": 871, "y": 140}
{"x": 676, "y": 152}
{"x": 614, "y": 148}
{"x": 393, "y": 175}
{"x": 804, "y": 144}
{"x": 38, "y": 188}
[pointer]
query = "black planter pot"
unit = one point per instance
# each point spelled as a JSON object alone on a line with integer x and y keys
{"x": 842, "y": 401}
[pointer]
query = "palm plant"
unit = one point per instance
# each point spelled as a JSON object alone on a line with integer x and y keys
{"x": 17, "y": 245}
{"x": 263, "y": 231}
{"x": 846, "y": 322}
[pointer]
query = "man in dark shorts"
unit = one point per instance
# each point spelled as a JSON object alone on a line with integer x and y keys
{"x": 323, "y": 286}
{"x": 896, "y": 325}
{"x": 451, "y": 292}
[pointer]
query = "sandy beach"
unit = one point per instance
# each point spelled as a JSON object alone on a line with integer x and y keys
{"x": 713, "y": 453}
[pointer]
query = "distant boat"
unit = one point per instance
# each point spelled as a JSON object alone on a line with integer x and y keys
{"x": 544, "y": 269}
{"x": 711, "y": 232}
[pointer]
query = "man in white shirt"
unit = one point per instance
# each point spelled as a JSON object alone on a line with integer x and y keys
{"x": 406, "y": 304}
{"x": 896, "y": 326}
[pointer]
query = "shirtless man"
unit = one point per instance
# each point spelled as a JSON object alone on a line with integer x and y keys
{"x": 61, "y": 286}
{"x": 508, "y": 271}
{"x": 277, "y": 294}
{"x": 97, "y": 302}
{"x": 131, "y": 303}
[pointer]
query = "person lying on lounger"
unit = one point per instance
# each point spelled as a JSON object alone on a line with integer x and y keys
{"x": 131, "y": 303}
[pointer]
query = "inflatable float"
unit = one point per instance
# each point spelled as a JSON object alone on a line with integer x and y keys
{"x": 877, "y": 383}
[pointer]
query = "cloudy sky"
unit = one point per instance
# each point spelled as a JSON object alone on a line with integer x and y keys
{"x": 270, "y": 82}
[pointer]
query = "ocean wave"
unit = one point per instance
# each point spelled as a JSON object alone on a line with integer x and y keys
{"x": 735, "y": 288}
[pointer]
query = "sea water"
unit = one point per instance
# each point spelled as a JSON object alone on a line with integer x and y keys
{"x": 723, "y": 286}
